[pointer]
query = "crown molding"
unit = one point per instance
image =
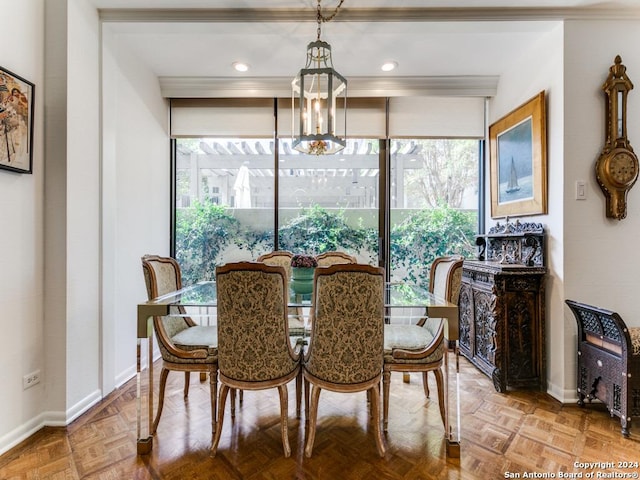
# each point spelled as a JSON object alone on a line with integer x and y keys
{"x": 230, "y": 15}
{"x": 269, "y": 87}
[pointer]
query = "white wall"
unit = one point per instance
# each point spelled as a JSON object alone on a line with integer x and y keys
{"x": 55, "y": 223}
{"x": 601, "y": 256}
{"x": 83, "y": 209}
{"x": 21, "y": 241}
{"x": 136, "y": 201}
{"x": 541, "y": 68}
{"x": 602, "y": 260}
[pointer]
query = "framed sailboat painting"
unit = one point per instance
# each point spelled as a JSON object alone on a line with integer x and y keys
{"x": 518, "y": 149}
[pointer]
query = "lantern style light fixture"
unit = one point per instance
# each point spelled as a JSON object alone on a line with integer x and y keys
{"x": 319, "y": 99}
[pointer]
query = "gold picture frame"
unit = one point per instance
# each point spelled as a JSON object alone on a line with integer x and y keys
{"x": 518, "y": 170}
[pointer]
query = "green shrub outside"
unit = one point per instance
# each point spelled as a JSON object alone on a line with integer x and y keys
{"x": 316, "y": 230}
{"x": 430, "y": 233}
{"x": 205, "y": 230}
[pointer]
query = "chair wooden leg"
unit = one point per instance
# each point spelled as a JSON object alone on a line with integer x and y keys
{"x": 386, "y": 382}
{"x": 375, "y": 409}
{"x": 213, "y": 387}
{"x": 284, "y": 418}
{"x": 306, "y": 401}
{"x": 425, "y": 384}
{"x": 224, "y": 390}
{"x": 298, "y": 393}
{"x": 163, "y": 383}
{"x": 187, "y": 378}
{"x": 233, "y": 403}
{"x": 312, "y": 416}
{"x": 440, "y": 384}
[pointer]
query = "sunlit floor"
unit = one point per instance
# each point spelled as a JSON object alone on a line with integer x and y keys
{"x": 501, "y": 435}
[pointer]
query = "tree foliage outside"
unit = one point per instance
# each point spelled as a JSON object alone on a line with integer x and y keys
{"x": 448, "y": 169}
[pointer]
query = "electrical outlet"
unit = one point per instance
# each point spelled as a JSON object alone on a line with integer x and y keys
{"x": 31, "y": 379}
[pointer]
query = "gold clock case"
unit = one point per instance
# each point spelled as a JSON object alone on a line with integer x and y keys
{"x": 617, "y": 167}
{"x": 615, "y": 184}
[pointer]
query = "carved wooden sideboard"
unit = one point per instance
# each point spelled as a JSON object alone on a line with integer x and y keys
{"x": 502, "y": 304}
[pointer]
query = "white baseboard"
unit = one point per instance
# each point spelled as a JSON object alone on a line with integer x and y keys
{"x": 24, "y": 431}
{"x": 125, "y": 376}
{"x": 563, "y": 395}
{"x": 48, "y": 419}
{"x": 83, "y": 405}
{"x": 21, "y": 433}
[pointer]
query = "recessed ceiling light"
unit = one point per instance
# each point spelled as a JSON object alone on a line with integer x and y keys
{"x": 388, "y": 66}
{"x": 240, "y": 66}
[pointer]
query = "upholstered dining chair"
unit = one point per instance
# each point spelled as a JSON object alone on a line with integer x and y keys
{"x": 327, "y": 259}
{"x": 283, "y": 258}
{"x": 184, "y": 345}
{"x": 346, "y": 344}
{"x": 254, "y": 349}
{"x": 420, "y": 347}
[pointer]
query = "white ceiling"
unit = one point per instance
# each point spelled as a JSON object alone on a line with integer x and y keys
{"x": 434, "y": 38}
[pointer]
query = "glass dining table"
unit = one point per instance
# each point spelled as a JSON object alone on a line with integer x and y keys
{"x": 403, "y": 303}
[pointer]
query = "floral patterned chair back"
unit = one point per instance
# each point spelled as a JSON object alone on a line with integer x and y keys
{"x": 253, "y": 331}
{"x": 347, "y": 333}
{"x": 280, "y": 258}
{"x": 347, "y": 337}
{"x": 327, "y": 259}
{"x": 162, "y": 275}
{"x": 421, "y": 347}
{"x": 254, "y": 349}
{"x": 445, "y": 278}
{"x": 184, "y": 345}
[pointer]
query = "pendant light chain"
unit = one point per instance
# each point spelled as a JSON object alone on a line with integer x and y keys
{"x": 322, "y": 19}
{"x": 319, "y": 98}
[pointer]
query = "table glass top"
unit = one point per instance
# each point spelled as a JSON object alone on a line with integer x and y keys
{"x": 204, "y": 294}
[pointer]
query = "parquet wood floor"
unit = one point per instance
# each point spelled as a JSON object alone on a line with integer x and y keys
{"x": 517, "y": 432}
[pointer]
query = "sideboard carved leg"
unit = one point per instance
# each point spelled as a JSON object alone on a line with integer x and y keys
{"x": 498, "y": 383}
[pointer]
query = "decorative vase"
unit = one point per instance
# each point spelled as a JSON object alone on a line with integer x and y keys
{"x": 302, "y": 280}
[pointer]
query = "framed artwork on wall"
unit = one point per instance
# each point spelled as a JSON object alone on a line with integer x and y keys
{"x": 518, "y": 170}
{"x": 16, "y": 122}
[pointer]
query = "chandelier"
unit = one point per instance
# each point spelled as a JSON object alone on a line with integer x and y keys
{"x": 319, "y": 99}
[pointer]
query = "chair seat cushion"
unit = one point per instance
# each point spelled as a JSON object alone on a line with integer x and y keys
{"x": 196, "y": 337}
{"x": 634, "y": 333}
{"x": 193, "y": 338}
{"x": 411, "y": 338}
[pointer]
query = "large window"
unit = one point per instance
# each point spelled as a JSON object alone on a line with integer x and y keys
{"x": 330, "y": 202}
{"x": 433, "y": 204}
{"x": 399, "y": 202}
{"x": 224, "y": 203}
